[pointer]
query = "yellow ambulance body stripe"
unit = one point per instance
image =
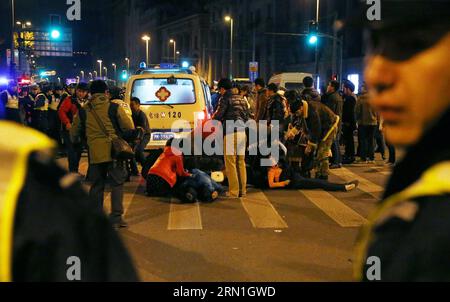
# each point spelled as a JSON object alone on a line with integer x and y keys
{"x": 434, "y": 182}
{"x": 16, "y": 144}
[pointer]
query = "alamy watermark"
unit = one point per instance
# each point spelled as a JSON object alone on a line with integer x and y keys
{"x": 74, "y": 10}
{"x": 73, "y": 272}
{"x": 374, "y": 11}
{"x": 237, "y": 138}
{"x": 373, "y": 272}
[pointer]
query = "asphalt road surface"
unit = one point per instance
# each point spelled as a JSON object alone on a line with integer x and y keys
{"x": 269, "y": 236}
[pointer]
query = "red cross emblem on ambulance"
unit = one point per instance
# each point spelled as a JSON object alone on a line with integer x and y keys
{"x": 163, "y": 94}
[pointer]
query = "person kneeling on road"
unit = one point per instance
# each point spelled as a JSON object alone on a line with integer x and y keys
{"x": 167, "y": 170}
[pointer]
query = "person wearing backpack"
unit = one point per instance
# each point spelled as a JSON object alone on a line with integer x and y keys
{"x": 101, "y": 133}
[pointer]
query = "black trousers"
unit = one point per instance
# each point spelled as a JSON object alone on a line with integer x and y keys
{"x": 117, "y": 176}
{"x": 381, "y": 144}
{"x": 392, "y": 155}
{"x": 139, "y": 154}
{"x": 54, "y": 126}
{"x": 349, "y": 141}
{"x": 157, "y": 187}
{"x": 73, "y": 152}
{"x": 367, "y": 142}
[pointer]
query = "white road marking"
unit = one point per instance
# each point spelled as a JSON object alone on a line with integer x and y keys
{"x": 184, "y": 217}
{"x": 335, "y": 209}
{"x": 261, "y": 212}
{"x": 364, "y": 184}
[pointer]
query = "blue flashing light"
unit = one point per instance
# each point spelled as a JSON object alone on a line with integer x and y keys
{"x": 4, "y": 81}
{"x": 185, "y": 64}
{"x": 142, "y": 65}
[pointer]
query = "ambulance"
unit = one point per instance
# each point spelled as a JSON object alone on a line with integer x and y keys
{"x": 174, "y": 100}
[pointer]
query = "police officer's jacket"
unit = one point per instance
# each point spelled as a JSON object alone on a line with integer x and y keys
{"x": 10, "y": 100}
{"x": 41, "y": 102}
{"x": 46, "y": 219}
{"x": 408, "y": 235}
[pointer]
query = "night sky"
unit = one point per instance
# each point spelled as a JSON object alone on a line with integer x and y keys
{"x": 38, "y": 11}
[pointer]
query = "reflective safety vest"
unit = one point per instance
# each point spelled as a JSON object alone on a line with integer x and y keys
{"x": 42, "y": 108}
{"x": 434, "y": 182}
{"x": 13, "y": 171}
{"x": 54, "y": 104}
{"x": 13, "y": 101}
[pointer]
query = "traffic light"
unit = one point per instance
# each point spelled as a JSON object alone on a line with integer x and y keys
{"x": 55, "y": 34}
{"x": 313, "y": 33}
{"x": 124, "y": 75}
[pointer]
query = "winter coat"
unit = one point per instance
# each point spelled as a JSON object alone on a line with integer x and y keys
{"x": 99, "y": 143}
{"x": 232, "y": 107}
{"x": 335, "y": 102}
{"x": 319, "y": 121}
{"x": 311, "y": 95}
{"x": 169, "y": 167}
{"x": 409, "y": 231}
{"x": 349, "y": 113}
{"x": 365, "y": 113}
{"x": 261, "y": 105}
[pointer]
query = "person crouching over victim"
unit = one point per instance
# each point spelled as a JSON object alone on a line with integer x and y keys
{"x": 166, "y": 171}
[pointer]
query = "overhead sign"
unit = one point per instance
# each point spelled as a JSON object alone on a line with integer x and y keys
{"x": 48, "y": 73}
{"x": 253, "y": 71}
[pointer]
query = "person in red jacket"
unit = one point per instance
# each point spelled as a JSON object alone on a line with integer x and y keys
{"x": 164, "y": 174}
{"x": 69, "y": 108}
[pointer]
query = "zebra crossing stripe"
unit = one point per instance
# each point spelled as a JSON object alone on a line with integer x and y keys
{"x": 184, "y": 217}
{"x": 261, "y": 212}
{"x": 364, "y": 184}
{"x": 335, "y": 209}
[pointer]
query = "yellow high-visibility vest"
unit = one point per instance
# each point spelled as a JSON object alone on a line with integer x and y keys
{"x": 15, "y": 154}
{"x": 42, "y": 108}
{"x": 13, "y": 101}
{"x": 434, "y": 182}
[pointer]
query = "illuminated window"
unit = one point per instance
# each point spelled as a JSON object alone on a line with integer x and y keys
{"x": 354, "y": 78}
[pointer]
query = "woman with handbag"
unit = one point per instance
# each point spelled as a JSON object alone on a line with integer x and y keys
{"x": 106, "y": 149}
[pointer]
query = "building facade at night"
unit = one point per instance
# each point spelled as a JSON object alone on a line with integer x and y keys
{"x": 203, "y": 37}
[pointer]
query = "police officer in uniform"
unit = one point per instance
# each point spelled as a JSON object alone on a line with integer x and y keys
{"x": 46, "y": 220}
{"x": 407, "y": 237}
{"x": 40, "y": 110}
{"x": 10, "y": 101}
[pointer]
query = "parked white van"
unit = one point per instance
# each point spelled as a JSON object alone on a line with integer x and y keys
{"x": 290, "y": 80}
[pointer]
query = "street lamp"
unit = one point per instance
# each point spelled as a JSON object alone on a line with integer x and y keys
{"x": 146, "y": 38}
{"x": 231, "y": 21}
{"x": 172, "y": 41}
{"x": 115, "y": 70}
{"x": 90, "y": 76}
{"x": 100, "y": 63}
{"x": 95, "y": 74}
{"x": 82, "y": 75}
{"x": 106, "y": 72}
{"x": 128, "y": 64}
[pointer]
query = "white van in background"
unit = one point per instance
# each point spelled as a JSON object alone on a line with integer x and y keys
{"x": 290, "y": 80}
